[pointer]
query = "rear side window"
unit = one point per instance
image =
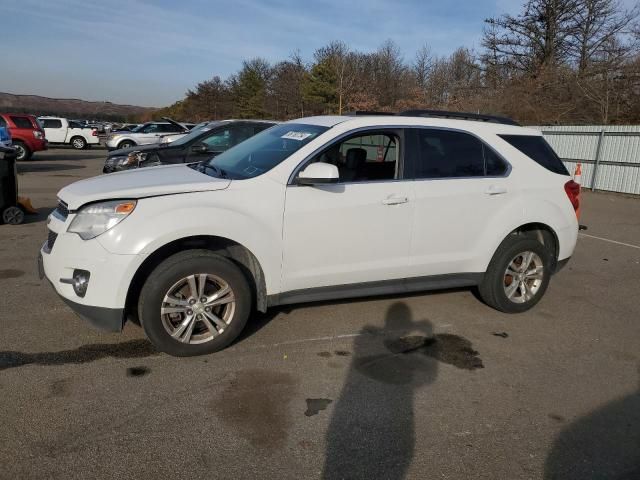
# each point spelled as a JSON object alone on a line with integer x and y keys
{"x": 450, "y": 154}
{"x": 3, "y": 123}
{"x": 169, "y": 128}
{"x": 538, "y": 150}
{"x": 50, "y": 123}
{"x": 22, "y": 122}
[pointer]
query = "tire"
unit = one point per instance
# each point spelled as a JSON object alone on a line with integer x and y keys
{"x": 497, "y": 284}
{"x": 23, "y": 153}
{"x": 171, "y": 277}
{"x": 13, "y": 215}
{"x": 126, "y": 144}
{"x": 78, "y": 143}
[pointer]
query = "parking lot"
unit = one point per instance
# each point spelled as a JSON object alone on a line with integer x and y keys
{"x": 423, "y": 386}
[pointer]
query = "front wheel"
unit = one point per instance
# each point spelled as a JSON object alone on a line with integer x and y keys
{"x": 518, "y": 275}
{"x": 194, "y": 303}
{"x": 78, "y": 143}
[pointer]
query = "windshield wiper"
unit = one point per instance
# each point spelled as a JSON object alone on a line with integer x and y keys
{"x": 203, "y": 166}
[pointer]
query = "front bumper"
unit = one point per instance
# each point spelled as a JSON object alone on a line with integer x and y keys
{"x": 103, "y": 304}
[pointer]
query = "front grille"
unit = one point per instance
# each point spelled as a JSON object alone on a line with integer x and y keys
{"x": 51, "y": 239}
{"x": 62, "y": 210}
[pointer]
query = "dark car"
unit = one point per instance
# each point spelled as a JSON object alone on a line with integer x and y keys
{"x": 200, "y": 144}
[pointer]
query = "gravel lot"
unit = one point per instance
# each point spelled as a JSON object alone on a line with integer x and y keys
{"x": 422, "y": 386}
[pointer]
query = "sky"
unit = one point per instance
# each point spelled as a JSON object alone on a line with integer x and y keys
{"x": 150, "y": 52}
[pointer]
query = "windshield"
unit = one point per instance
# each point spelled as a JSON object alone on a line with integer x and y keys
{"x": 264, "y": 151}
{"x": 196, "y": 132}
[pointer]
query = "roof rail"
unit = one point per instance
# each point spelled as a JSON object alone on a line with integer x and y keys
{"x": 360, "y": 113}
{"x": 458, "y": 116}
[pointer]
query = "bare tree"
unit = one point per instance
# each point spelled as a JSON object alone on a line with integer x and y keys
{"x": 597, "y": 25}
{"x": 536, "y": 38}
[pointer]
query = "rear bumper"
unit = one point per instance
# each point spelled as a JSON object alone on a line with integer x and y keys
{"x": 38, "y": 145}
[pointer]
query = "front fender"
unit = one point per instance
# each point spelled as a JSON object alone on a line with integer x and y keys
{"x": 158, "y": 221}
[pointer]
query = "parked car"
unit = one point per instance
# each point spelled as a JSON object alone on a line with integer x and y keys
{"x": 61, "y": 131}
{"x": 314, "y": 209}
{"x": 27, "y": 134}
{"x": 199, "y": 144}
{"x": 147, "y": 133}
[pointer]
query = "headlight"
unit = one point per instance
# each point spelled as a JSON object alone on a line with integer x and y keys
{"x": 95, "y": 219}
{"x": 130, "y": 160}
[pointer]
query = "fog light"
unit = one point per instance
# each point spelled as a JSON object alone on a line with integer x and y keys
{"x": 80, "y": 282}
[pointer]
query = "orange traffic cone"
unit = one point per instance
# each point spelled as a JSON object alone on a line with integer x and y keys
{"x": 577, "y": 177}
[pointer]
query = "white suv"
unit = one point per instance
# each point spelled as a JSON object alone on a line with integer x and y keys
{"x": 314, "y": 209}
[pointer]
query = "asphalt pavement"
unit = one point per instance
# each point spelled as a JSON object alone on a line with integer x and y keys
{"x": 424, "y": 386}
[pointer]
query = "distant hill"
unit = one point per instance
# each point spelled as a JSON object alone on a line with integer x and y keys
{"x": 72, "y": 108}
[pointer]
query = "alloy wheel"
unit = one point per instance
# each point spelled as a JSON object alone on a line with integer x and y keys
{"x": 523, "y": 277}
{"x": 21, "y": 152}
{"x": 198, "y": 308}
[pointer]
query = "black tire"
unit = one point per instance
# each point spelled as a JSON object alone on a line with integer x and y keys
{"x": 13, "y": 215}
{"x": 172, "y": 270}
{"x": 23, "y": 153}
{"x": 79, "y": 143}
{"x": 492, "y": 289}
{"x": 126, "y": 144}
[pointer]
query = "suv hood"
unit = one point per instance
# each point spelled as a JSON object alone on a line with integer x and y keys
{"x": 140, "y": 183}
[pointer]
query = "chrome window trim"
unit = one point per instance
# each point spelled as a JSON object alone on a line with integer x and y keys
{"x": 308, "y": 158}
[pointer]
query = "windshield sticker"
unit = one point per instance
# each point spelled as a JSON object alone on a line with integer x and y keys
{"x": 296, "y": 135}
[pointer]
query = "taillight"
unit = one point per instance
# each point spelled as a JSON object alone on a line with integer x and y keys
{"x": 573, "y": 192}
{"x": 38, "y": 134}
{"x": 94, "y": 132}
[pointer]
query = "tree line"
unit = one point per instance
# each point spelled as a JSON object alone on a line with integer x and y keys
{"x": 555, "y": 62}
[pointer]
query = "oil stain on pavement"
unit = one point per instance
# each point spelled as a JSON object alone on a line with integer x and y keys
{"x": 445, "y": 348}
{"x": 10, "y": 273}
{"x": 137, "y": 371}
{"x": 315, "y": 405}
{"x": 255, "y": 404}
{"x": 84, "y": 354}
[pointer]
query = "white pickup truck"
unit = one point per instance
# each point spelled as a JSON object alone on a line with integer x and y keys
{"x": 67, "y": 132}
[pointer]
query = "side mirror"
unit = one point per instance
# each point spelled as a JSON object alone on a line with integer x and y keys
{"x": 199, "y": 148}
{"x": 319, "y": 173}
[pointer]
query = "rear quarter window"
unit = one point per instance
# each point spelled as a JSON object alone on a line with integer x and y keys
{"x": 22, "y": 122}
{"x": 537, "y": 149}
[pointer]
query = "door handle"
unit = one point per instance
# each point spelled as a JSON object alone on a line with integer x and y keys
{"x": 495, "y": 190}
{"x": 394, "y": 200}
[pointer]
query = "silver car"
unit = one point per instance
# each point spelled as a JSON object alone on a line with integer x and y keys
{"x": 147, "y": 133}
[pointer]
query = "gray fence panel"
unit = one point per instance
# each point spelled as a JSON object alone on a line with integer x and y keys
{"x": 618, "y": 165}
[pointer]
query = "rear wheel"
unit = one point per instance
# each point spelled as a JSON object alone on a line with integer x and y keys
{"x": 23, "y": 153}
{"x": 126, "y": 144}
{"x": 78, "y": 143}
{"x": 518, "y": 275}
{"x": 194, "y": 303}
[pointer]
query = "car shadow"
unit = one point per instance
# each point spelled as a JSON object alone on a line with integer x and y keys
{"x": 258, "y": 320}
{"x": 41, "y": 216}
{"x": 29, "y": 167}
{"x": 602, "y": 445}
